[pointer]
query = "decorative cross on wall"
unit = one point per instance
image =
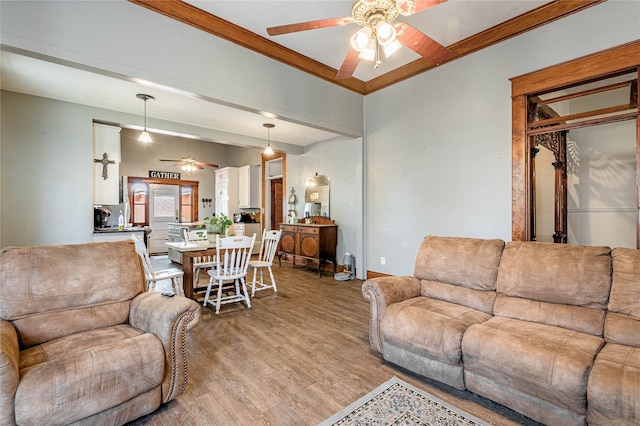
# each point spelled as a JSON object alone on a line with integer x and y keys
{"x": 105, "y": 162}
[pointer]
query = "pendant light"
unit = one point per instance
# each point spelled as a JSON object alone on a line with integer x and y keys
{"x": 145, "y": 136}
{"x": 269, "y": 126}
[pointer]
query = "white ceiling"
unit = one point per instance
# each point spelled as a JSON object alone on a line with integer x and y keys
{"x": 447, "y": 23}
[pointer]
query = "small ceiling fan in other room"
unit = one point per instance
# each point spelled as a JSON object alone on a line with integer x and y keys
{"x": 190, "y": 164}
{"x": 378, "y": 33}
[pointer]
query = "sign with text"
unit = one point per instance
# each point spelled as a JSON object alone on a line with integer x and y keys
{"x": 163, "y": 175}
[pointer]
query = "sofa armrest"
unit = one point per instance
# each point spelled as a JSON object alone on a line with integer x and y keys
{"x": 382, "y": 292}
{"x": 169, "y": 318}
{"x": 9, "y": 371}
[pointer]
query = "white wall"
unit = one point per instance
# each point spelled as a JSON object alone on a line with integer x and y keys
{"x": 341, "y": 160}
{"x": 439, "y": 144}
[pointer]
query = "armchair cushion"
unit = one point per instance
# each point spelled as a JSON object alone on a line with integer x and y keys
{"x": 81, "y": 374}
{"x": 66, "y": 289}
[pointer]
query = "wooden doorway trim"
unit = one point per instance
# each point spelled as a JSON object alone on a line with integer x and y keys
{"x": 624, "y": 57}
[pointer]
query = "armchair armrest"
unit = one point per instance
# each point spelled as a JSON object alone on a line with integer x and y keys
{"x": 169, "y": 318}
{"x": 9, "y": 371}
{"x": 382, "y": 292}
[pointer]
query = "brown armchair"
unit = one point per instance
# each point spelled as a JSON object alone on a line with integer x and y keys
{"x": 82, "y": 341}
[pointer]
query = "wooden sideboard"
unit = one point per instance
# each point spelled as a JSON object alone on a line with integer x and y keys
{"x": 315, "y": 242}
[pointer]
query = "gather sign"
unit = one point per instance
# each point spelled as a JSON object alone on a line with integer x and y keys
{"x": 163, "y": 175}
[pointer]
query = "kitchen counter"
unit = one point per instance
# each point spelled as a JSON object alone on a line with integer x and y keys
{"x": 115, "y": 230}
{"x": 114, "y": 234}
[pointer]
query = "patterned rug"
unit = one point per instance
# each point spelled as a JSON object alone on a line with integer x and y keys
{"x": 396, "y": 402}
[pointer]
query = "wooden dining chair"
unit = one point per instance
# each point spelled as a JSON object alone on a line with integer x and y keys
{"x": 232, "y": 256}
{"x": 152, "y": 276}
{"x": 268, "y": 249}
{"x": 199, "y": 236}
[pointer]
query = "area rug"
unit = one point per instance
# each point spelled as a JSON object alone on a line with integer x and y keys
{"x": 396, "y": 402}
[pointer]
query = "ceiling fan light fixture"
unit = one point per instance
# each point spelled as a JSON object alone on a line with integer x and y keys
{"x": 145, "y": 137}
{"x": 361, "y": 39}
{"x": 385, "y": 33}
{"x": 391, "y": 48}
{"x": 268, "y": 150}
{"x": 370, "y": 51}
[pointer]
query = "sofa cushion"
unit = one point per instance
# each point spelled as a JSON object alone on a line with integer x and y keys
{"x": 623, "y": 319}
{"x": 465, "y": 263}
{"x": 430, "y": 328}
{"x": 82, "y": 374}
{"x": 613, "y": 392}
{"x": 94, "y": 283}
{"x": 576, "y": 277}
{"x": 481, "y": 300}
{"x": 542, "y": 361}
{"x": 556, "y": 273}
{"x": 469, "y": 262}
{"x": 578, "y": 318}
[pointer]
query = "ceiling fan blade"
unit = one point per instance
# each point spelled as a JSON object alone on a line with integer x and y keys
{"x": 421, "y": 43}
{"x": 349, "y": 65}
{"x": 176, "y": 161}
{"x": 311, "y": 25}
{"x": 419, "y": 5}
{"x": 202, "y": 163}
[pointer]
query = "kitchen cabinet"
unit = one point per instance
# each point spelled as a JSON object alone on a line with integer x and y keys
{"x": 313, "y": 242}
{"x": 226, "y": 197}
{"x": 106, "y": 165}
{"x": 249, "y": 187}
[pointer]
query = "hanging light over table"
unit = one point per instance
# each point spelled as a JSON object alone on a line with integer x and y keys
{"x": 269, "y": 126}
{"x": 145, "y": 136}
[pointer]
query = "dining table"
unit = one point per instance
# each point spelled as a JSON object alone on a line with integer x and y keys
{"x": 189, "y": 250}
{"x": 192, "y": 249}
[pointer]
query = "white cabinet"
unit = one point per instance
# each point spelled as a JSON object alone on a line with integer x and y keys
{"x": 106, "y": 174}
{"x": 226, "y": 197}
{"x": 249, "y": 187}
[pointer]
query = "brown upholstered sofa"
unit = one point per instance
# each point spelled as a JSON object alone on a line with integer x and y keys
{"x": 81, "y": 341}
{"x": 549, "y": 330}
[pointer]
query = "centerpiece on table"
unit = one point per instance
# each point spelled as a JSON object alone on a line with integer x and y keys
{"x": 217, "y": 225}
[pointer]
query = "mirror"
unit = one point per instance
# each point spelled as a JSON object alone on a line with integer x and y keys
{"x": 316, "y": 196}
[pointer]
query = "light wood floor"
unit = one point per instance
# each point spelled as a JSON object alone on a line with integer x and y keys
{"x": 295, "y": 358}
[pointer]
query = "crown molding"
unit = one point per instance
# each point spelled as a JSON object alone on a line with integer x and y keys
{"x": 198, "y": 18}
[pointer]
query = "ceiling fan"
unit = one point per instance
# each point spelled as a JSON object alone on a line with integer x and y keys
{"x": 190, "y": 164}
{"x": 377, "y": 32}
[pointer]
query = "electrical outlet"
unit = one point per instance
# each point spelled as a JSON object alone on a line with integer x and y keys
{"x": 383, "y": 261}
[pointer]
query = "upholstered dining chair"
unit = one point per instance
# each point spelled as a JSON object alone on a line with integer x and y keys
{"x": 232, "y": 256}
{"x": 268, "y": 250}
{"x": 153, "y": 277}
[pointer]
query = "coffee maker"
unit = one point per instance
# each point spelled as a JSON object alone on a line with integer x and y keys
{"x": 101, "y": 217}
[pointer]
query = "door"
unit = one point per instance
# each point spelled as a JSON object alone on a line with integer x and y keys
{"x": 277, "y": 201}
{"x": 163, "y": 209}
